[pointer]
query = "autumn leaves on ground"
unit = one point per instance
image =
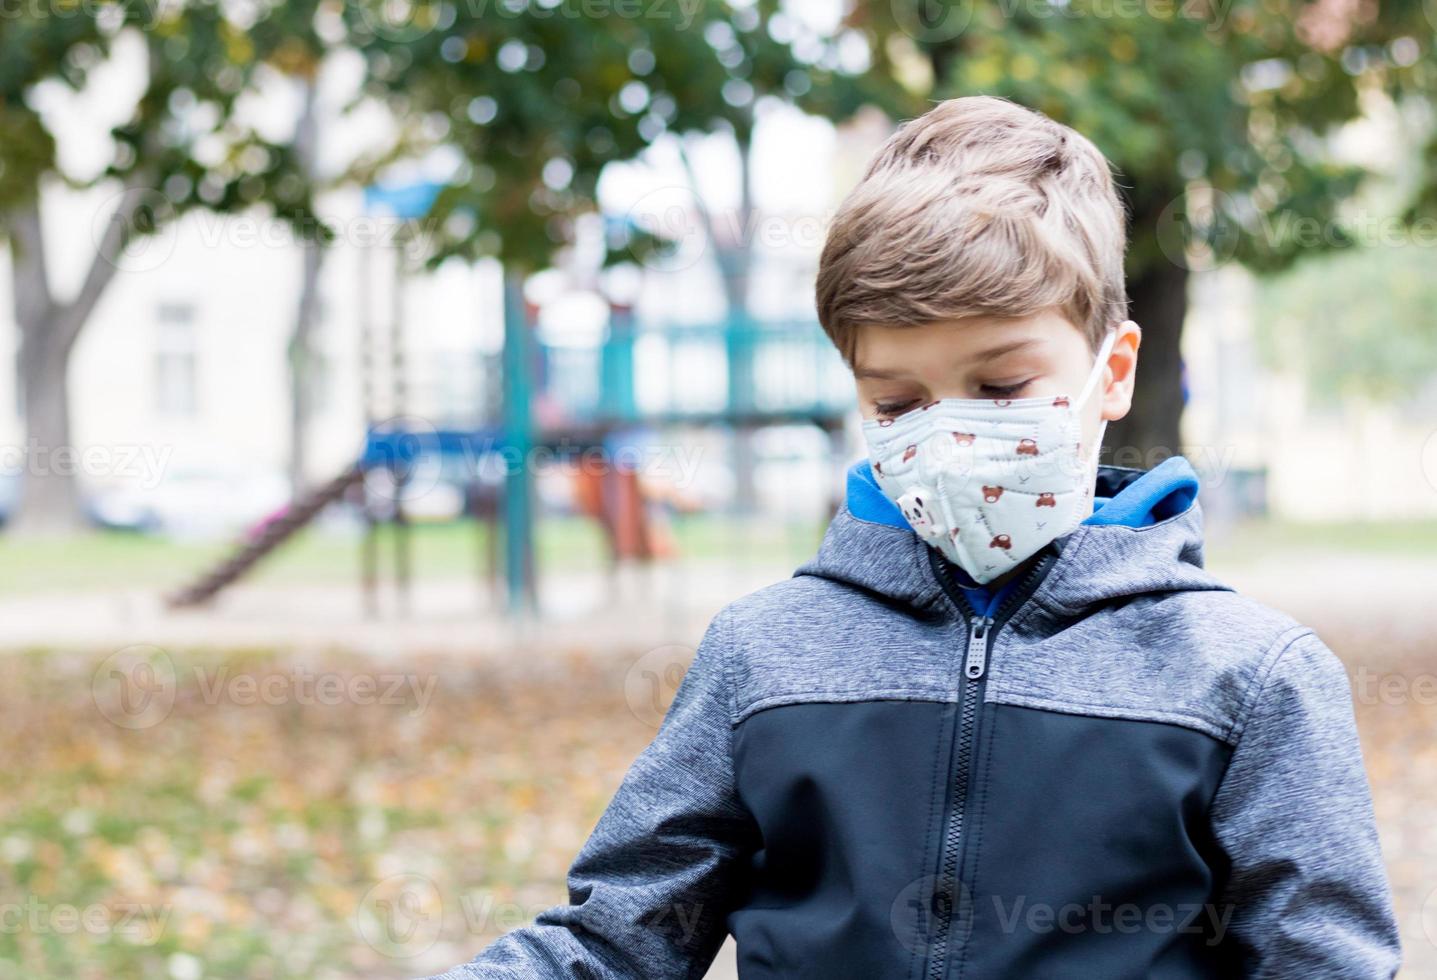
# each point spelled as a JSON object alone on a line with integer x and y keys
{"x": 256, "y": 814}
{"x": 316, "y": 817}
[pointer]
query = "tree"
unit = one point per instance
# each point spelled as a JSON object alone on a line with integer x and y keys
{"x": 300, "y": 349}
{"x": 182, "y": 148}
{"x": 1217, "y": 117}
{"x": 538, "y": 100}
{"x": 291, "y": 31}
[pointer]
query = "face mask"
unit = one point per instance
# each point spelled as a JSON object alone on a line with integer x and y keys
{"x": 990, "y": 482}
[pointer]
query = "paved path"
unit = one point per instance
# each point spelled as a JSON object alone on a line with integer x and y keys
{"x": 666, "y": 604}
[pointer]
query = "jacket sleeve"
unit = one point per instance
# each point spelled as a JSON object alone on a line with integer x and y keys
{"x": 650, "y": 891}
{"x": 1306, "y": 893}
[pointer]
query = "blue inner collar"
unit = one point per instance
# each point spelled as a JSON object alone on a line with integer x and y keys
{"x": 1123, "y": 497}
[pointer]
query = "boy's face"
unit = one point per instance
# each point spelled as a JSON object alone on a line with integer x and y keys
{"x": 898, "y": 369}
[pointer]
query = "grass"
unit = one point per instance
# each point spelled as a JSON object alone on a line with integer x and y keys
{"x": 1264, "y": 539}
{"x": 109, "y": 559}
{"x": 105, "y": 560}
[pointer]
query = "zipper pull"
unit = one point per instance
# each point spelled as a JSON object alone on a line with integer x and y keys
{"x": 977, "y": 660}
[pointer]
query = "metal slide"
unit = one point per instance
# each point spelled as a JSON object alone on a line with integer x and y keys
{"x": 274, "y": 534}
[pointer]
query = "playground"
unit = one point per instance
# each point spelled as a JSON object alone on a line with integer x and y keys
{"x": 629, "y": 454}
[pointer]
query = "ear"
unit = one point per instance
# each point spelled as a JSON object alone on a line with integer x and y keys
{"x": 1117, "y": 390}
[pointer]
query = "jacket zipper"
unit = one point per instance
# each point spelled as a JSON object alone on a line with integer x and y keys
{"x": 981, "y": 630}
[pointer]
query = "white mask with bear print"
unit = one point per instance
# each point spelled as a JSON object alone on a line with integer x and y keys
{"x": 989, "y": 482}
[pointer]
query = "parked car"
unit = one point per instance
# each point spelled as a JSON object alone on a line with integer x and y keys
{"x": 191, "y": 502}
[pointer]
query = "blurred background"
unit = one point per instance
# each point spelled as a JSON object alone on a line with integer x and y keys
{"x": 401, "y": 385}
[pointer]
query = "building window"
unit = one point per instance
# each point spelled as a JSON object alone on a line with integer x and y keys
{"x": 176, "y": 361}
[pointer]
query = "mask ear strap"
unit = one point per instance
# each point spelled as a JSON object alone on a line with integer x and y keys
{"x": 1097, "y": 371}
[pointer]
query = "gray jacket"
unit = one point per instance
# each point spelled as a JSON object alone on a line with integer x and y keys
{"x": 1122, "y": 769}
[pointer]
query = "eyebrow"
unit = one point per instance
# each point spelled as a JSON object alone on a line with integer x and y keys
{"x": 879, "y": 374}
{"x": 991, "y": 354}
{"x": 995, "y": 352}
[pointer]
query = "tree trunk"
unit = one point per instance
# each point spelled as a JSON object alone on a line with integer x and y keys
{"x": 51, "y": 499}
{"x": 301, "y": 357}
{"x": 1151, "y": 431}
{"x": 49, "y": 329}
{"x": 300, "y": 353}
{"x": 733, "y": 252}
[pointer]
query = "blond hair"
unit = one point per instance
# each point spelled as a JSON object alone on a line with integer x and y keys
{"x": 977, "y": 207}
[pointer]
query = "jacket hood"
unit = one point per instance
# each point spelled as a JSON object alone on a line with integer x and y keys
{"x": 1145, "y": 536}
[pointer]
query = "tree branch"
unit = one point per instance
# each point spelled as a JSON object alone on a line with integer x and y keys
{"x": 119, "y": 231}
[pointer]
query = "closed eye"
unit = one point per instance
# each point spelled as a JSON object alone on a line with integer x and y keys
{"x": 1003, "y": 391}
{"x": 894, "y": 409}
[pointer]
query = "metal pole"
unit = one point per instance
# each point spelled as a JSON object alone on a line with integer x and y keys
{"x": 616, "y": 366}
{"x": 740, "y": 340}
{"x": 518, "y": 445}
{"x": 405, "y": 467}
{"x": 369, "y": 547}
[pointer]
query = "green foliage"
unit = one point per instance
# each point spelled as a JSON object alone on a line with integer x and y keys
{"x": 183, "y": 147}
{"x": 26, "y": 153}
{"x": 538, "y": 99}
{"x": 34, "y": 48}
{"x": 1216, "y": 115}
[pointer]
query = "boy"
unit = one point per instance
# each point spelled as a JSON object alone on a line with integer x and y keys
{"x": 1003, "y": 724}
